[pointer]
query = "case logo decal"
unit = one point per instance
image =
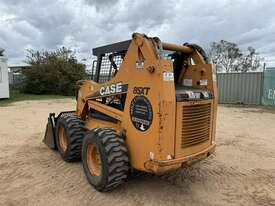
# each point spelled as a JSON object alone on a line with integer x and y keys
{"x": 109, "y": 90}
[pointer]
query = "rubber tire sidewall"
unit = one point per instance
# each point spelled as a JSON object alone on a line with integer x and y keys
{"x": 66, "y": 130}
{"x": 96, "y": 181}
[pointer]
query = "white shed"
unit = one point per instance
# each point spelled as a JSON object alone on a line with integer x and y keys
{"x": 4, "y": 76}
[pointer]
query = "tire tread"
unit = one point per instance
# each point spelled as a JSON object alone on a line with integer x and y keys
{"x": 76, "y": 132}
{"x": 117, "y": 158}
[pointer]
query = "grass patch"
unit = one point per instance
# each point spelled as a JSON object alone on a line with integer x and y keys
{"x": 16, "y": 96}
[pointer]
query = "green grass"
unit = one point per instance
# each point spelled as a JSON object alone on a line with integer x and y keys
{"x": 16, "y": 96}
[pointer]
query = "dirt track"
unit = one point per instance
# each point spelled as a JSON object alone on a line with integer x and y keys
{"x": 242, "y": 171}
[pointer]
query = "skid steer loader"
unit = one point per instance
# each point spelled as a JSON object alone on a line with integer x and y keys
{"x": 151, "y": 107}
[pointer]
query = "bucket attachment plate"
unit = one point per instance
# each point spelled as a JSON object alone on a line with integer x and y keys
{"x": 49, "y": 138}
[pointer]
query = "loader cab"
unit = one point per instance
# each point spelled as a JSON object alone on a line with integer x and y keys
{"x": 108, "y": 61}
{"x": 104, "y": 68}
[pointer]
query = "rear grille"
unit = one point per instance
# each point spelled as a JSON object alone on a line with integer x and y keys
{"x": 195, "y": 124}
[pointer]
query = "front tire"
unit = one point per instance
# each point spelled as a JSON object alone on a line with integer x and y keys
{"x": 105, "y": 159}
{"x": 70, "y": 132}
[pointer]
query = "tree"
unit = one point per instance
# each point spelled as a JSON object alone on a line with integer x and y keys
{"x": 251, "y": 61}
{"x": 53, "y": 72}
{"x": 228, "y": 57}
{"x": 225, "y": 55}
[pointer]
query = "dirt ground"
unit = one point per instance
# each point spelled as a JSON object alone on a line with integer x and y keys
{"x": 241, "y": 172}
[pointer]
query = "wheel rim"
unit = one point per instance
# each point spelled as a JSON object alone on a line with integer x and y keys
{"x": 94, "y": 160}
{"x": 63, "y": 140}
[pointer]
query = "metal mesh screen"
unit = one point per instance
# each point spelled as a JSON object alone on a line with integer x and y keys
{"x": 107, "y": 70}
{"x": 92, "y": 73}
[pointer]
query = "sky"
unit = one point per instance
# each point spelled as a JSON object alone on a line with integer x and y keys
{"x": 84, "y": 24}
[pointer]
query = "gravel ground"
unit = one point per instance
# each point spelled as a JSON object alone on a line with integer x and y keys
{"x": 241, "y": 172}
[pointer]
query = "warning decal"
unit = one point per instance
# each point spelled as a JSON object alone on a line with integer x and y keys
{"x": 141, "y": 113}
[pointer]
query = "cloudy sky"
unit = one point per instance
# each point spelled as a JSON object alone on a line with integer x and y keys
{"x": 84, "y": 24}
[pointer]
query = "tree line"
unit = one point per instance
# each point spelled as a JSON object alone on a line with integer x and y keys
{"x": 228, "y": 57}
{"x": 56, "y": 72}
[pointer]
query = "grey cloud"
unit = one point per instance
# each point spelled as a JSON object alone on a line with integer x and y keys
{"x": 84, "y": 24}
{"x": 99, "y": 4}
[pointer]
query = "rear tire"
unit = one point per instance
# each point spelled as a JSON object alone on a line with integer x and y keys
{"x": 70, "y": 132}
{"x": 112, "y": 168}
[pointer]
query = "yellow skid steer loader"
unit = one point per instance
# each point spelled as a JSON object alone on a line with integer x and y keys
{"x": 151, "y": 106}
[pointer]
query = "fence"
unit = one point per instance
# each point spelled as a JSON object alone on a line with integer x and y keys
{"x": 244, "y": 88}
{"x": 247, "y": 88}
{"x": 15, "y": 80}
{"x": 268, "y": 97}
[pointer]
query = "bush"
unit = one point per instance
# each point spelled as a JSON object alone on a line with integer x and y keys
{"x": 52, "y": 72}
